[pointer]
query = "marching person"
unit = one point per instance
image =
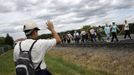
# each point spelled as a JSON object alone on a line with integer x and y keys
{"x": 107, "y": 32}
{"x": 100, "y": 33}
{"x": 69, "y": 38}
{"x": 93, "y": 35}
{"x": 114, "y": 29}
{"x": 83, "y": 36}
{"x": 39, "y": 47}
{"x": 76, "y": 37}
{"x": 127, "y": 30}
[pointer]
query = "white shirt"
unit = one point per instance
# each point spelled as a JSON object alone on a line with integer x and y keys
{"x": 107, "y": 29}
{"x": 76, "y": 34}
{"x": 114, "y": 28}
{"x": 83, "y": 33}
{"x": 38, "y": 51}
{"x": 92, "y": 31}
{"x": 69, "y": 35}
{"x": 126, "y": 27}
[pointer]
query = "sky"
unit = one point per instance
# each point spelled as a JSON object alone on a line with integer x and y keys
{"x": 65, "y": 14}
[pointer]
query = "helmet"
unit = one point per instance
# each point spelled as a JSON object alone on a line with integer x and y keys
{"x": 30, "y": 26}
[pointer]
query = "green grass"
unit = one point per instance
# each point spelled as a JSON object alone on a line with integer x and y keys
{"x": 56, "y": 65}
{"x": 60, "y": 67}
{"x": 6, "y": 64}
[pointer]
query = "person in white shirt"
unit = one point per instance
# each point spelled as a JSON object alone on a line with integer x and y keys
{"x": 93, "y": 34}
{"x": 107, "y": 32}
{"x": 83, "y": 36}
{"x": 39, "y": 48}
{"x": 114, "y": 29}
{"x": 69, "y": 38}
{"x": 76, "y": 36}
{"x": 127, "y": 30}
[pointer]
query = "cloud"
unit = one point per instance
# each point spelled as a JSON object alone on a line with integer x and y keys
{"x": 66, "y": 14}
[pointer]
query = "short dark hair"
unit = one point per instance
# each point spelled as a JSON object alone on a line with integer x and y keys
{"x": 113, "y": 22}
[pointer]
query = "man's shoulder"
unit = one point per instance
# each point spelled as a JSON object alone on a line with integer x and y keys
{"x": 46, "y": 40}
{"x": 38, "y": 41}
{"x": 24, "y": 42}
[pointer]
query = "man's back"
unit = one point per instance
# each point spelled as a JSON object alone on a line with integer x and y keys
{"x": 38, "y": 51}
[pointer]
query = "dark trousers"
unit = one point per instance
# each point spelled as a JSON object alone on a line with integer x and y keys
{"x": 114, "y": 35}
{"x": 42, "y": 72}
{"x": 127, "y": 33}
{"x": 83, "y": 38}
{"x": 68, "y": 41}
{"x": 93, "y": 37}
{"x": 76, "y": 39}
{"x": 100, "y": 38}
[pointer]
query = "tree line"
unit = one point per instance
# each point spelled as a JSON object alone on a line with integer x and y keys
{"x": 8, "y": 40}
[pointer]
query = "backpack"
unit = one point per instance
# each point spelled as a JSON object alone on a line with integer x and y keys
{"x": 24, "y": 64}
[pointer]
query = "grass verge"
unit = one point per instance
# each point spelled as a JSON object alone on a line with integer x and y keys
{"x": 56, "y": 65}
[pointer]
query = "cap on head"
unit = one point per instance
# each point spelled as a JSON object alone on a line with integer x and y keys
{"x": 29, "y": 27}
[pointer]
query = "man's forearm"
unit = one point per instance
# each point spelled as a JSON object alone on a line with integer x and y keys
{"x": 54, "y": 33}
{"x": 56, "y": 36}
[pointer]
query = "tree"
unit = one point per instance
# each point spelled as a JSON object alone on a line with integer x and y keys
{"x": 2, "y": 40}
{"x": 9, "y": 40}
{"x": 86, "y": 27}
{"x": 45, "y": 36}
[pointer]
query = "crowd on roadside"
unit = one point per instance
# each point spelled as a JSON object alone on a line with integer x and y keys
{"x": 95, "y": 34}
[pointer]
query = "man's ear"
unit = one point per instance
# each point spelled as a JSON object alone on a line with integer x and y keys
{"x": 33, "y": 33}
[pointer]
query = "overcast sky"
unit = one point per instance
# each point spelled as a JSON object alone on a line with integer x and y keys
{"x": 66, "y": 14}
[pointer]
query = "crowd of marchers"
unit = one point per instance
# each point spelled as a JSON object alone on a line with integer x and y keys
{"x": 108, "y": 33}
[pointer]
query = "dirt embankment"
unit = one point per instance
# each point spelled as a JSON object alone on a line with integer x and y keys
{"x": 118, "y": 61}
